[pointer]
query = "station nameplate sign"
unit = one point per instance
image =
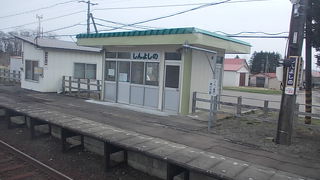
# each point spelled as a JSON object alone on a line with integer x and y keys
{"x": 293, "y": 74}
{"x": 151, "y": 56}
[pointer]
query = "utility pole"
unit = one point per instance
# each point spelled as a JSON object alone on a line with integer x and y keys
{"x": 39, "y": 17}
{"x": 288, "y": 100}
{"x": 88, "y": 13}
{"x": 266, "y": 67}
{"x": 308, "y": 75}
{"x": 94, "y": 23}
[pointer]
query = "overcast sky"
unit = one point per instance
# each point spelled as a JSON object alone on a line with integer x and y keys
{"x": 270, "y": 16}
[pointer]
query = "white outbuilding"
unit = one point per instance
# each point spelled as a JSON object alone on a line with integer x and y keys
{"x": 236, "y": 73}
{"x": 45, "y": 61}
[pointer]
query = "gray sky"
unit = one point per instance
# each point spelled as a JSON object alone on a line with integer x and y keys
{"x": 271, "y": 16}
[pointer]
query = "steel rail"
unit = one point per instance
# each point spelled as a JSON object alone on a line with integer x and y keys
{"x": 51, "y": 172}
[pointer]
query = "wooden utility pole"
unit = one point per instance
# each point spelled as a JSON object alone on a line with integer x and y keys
{"x": 288, "y": 100}
{"x": 39, "y": 17}
{"x": 94, "y": 23}
{"x": 88, "y": 14}
{"x": 308, "y": 75}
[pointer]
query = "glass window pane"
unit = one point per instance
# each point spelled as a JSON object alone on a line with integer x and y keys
{"x": 111, "y": 55}
{"x": 90, "y": 71}
{"x": 137, "y": 72}
{"x": 28, "y": 69}
{"x": 220, "y": 60}
{"x": 35, "y": 76}
{"x": 79, "y": 69}
{"x": 172, "y": 56}
{"x": 172, "y": 76}
{"x": 124, "y": 71}
{"x": 124, "y": 55}
{"x": 110, "y": 74}
{"x": 152, "y": 73}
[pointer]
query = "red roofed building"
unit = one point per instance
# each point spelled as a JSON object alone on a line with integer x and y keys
{"x": 236, "y": 72}
{"x": 266, "y": 80}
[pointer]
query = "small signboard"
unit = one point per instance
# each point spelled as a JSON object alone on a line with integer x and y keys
{"x": 213, "y": 87}
{"x": 292, "y": 75}
{"x": 38, "y": 70}
{"x": 289, "y": 90}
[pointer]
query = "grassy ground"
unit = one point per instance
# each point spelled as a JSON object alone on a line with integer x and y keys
{"x": 253, "y": 90}
{"x": 314, "y": 121}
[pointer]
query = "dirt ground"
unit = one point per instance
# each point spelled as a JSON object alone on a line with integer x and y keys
{"x": 259, "y": 131}
{"x": 80, "y": 165}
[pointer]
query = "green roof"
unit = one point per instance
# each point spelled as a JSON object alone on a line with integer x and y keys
{"x": 171, "y": 31}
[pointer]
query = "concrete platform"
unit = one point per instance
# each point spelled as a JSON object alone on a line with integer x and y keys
{"x": 173, "y": 140}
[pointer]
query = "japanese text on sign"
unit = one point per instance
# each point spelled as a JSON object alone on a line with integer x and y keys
{"x": 212, "y": 87}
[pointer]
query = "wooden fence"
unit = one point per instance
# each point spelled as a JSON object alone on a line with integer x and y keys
{"x": 81, "y": 87}
{"x": 238, "y": 105}
{"x": 9, "y": 76}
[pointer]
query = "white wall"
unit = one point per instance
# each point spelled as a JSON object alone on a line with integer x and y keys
{"x": 231, "y": 78}
{"x": 274, "y": 83}
{"x": 30, "y": 52}
{"x": 60, "y": 63}
{"x": 15, "y": 64}
{"x": 200, "y": 75}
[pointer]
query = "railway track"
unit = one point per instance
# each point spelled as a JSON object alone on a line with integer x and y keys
{"x": 16, "y": 165}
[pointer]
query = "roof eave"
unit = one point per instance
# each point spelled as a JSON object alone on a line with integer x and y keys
{"x": 231, "y": 47}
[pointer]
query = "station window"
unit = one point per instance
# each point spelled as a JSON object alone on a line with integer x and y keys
{"x": 137, "y": 72}
{"x": 110, "y": 74}
{"x": 172, "y": 76}
{"x": 111, "y": 55}
{"x": 220, "y": 60}
{"x": 124, "y": 71}
{"x": 85, "y": 71}
{"x": 30, "y": 70}
{"x": 172, "y": 56}
{"x": 124, "y": 55}
{"x": 152, "y": 73}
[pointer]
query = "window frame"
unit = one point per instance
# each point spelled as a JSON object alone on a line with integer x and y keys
{"x": 107, "y": 70}
{"x": 145, "y": 74}
{"x": 172, "y": 59}
{"x": 85, "y": 70}
{"x": 132, "y": 72}
{"x": 34, "y": 77}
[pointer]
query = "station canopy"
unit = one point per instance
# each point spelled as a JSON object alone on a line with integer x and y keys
{"x": 172, "y": 36}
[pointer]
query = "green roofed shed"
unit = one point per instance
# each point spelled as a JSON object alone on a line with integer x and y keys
{"x": 161, "y": 68}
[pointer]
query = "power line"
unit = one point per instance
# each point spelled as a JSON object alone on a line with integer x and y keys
{"x": 119, "y": 23}
{"x": 66, "y": 27}
{"x": 252, "y": 32}
{"x": 261, "y": 37}
{"x": 48, "y": 19}
{"x": 174, "y": 14}
{"x": 34, "y": 10}
{"x": 113, "y": 26}
{"x": 169, "y": 5}
{"x": 77, "y": 12}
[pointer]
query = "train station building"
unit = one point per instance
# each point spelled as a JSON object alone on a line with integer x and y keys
{"x": 159, "y": 69}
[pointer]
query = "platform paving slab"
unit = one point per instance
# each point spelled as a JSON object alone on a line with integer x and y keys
{"x": 184, "y": 155}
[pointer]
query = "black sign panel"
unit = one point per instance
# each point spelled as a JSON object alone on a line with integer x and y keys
{"x": 291, "y": 72}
